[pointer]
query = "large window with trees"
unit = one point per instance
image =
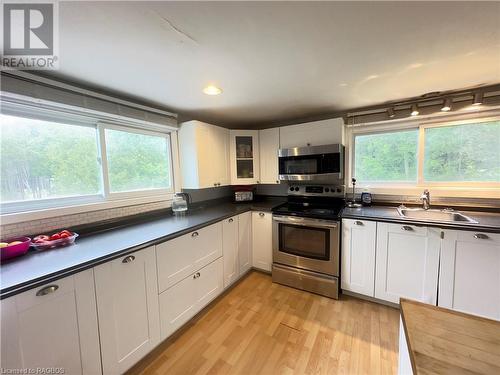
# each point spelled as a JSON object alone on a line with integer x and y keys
{"x": 57, "y": 162}
{"x": 454, "y": 154}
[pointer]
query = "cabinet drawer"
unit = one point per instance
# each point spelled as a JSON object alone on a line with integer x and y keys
{"x": 182, "y": 256}
{"x": 182, "y": 301}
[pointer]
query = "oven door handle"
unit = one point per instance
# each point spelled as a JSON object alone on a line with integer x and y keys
{"x": 318, "y": 223}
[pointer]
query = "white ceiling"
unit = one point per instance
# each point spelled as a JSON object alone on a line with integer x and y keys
{"x": 277, "y": 61}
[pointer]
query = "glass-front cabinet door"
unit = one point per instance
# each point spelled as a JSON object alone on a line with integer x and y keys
{"x": 244, "y": 157}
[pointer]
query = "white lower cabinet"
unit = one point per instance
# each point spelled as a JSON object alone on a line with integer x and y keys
{"x": 181, "y": 256}
{"x": 407, "y": 262}
{"x": 262, "y": 240}
{"x": 182, "y": 301}
{"x": 127, "y": 304}
{"x": 230, "y": 241}
{"x": 52, "y": 326}
{"x": 358, "y": 256}
{"x": 245, "y": 242}
{"x": 469, "y": 278}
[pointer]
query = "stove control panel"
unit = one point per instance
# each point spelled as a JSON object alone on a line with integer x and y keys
{"x": 337, "y": 191}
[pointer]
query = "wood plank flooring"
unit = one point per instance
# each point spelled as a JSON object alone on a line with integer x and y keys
{"x": 263, "y": 328}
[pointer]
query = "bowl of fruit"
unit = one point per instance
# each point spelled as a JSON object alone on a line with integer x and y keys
{"x": 14, "y": 247}
{"x": 62, "y": 238}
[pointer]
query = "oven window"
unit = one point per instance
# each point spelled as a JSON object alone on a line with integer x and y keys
{"x": 310, "y": 164}
{"x": 306, "y": 242}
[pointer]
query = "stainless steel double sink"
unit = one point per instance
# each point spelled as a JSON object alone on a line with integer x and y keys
{"x": 446, "y": 214}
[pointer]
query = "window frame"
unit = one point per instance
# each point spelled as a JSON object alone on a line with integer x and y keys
{"x": 421, "y": 126}
{"x": 19, "y": 211}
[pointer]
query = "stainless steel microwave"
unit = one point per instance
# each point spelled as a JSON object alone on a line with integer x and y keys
{"x": 323, "y": 163}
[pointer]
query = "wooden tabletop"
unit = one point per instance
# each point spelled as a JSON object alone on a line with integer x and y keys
{"x": 442, "y": 341}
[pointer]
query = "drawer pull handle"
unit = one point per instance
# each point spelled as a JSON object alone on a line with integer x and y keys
{"x": 407, "y": 227}
{"x": 128, "y": 259}
{"x": 231, "y": 220}
{"x": 261, "y": 214}
{"x": 358, "y": 222}
{"x": 196, "y": 275}
{"x": 47, "y": 290}
{"x": 480, "y": 236}
{"x": 195, "y": 234}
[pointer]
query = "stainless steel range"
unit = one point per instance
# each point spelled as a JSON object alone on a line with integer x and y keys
{"x": 306, "y": 239}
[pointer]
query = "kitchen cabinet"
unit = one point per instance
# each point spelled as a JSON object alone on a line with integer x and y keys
{"x": 127, "y": 305}
{"x": 313, "y": 133}
{"x": 245, "y": 242}
{"x": 358, "y": 256}
{"x": 262, "y": 240}
{"x": 407, "y": 261}
{"x": 269, "y": 144}
{"x": 204, "y": 155}
{"x": 469, "y": 278}
{"x": 182, "y": 301}
{"x": 244, "y": 156}
{"x": 181, "y": 256}
{"x": 52, "y": 326}
{"x": 230, "y": 250}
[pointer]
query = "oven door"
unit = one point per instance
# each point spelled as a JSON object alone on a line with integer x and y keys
{"x": 309, "y": 244}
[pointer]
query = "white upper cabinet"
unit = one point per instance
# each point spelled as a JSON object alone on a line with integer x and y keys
{"x": 269, "y": 143}
{"x": 312, "y": 133}
{"x": 244, "y": 151}
{"x": 127, "y": 304}
{"x": 262, "y": 240}
{"x": 407, "y": 261}
{"x": 358, "y": 256}
{"x": 204, "y": 155}
{"x": 469, "y": 278}
{"x": 52, "y": 326}
{"x": 230, "y": 250}
{"x": 245, "y": 241}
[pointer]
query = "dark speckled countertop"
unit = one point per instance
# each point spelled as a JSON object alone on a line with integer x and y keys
{"x": 37, "y": 268}
{"x": 487, "y": 221}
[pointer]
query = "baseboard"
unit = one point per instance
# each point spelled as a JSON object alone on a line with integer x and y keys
{"x": 371, "y": 299}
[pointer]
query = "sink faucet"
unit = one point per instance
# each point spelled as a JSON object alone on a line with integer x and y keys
{"x": 426, "y": 199}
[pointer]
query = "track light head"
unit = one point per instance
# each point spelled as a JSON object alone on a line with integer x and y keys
{"x": 446, "y": 105}
{"x": 478, "y": 98}
{"x": 414, "y": 110}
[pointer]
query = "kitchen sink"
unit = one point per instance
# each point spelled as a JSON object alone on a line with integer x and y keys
{"x": 434, "y": 215}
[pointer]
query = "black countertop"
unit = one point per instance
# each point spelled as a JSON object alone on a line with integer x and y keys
{"x": 37, "y": 268}
{"x": 487, "y": 221}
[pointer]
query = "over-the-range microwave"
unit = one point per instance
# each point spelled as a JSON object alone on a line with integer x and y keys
{"x": 324, "y": 163}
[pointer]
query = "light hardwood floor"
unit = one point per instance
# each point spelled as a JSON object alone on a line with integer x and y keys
{"x": 263, "y": 328}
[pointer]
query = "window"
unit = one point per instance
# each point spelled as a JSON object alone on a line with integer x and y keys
{"x": 459, "y": 154}
{"x": 469, "y": 152}
{"x": 137, "y": 161}
{"x": 46, "y": 163}
{"x": 387, "y": 157}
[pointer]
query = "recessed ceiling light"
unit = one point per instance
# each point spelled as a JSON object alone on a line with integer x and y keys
{"x": 414, "y": 110}
{"x": 478, "y": 98}
{"x": 212, "y": 90}
{"x": 446, "y": 105}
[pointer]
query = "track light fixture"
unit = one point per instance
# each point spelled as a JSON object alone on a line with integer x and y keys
{"x": 478, "y": 98}
{"x": 390, "y": 112}
{"x": 414, "y": 110}
{"x": 446, "y": 105}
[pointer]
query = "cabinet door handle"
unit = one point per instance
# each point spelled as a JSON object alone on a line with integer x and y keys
{"x": 481, "y": 236}
{"x": 195, "y": 234}
{"x": 261, "y": 214}
{"x": 128, "y": 259}
{"x": 215, "y": 183}
{"x": 47, "y": 290}
{"x": 357, "y": 222}
{"x": 407, "y": 227}
{"x": 196, "y": 275}
{"x": 231, "y": 220}
{"x": 277, "y": 181}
